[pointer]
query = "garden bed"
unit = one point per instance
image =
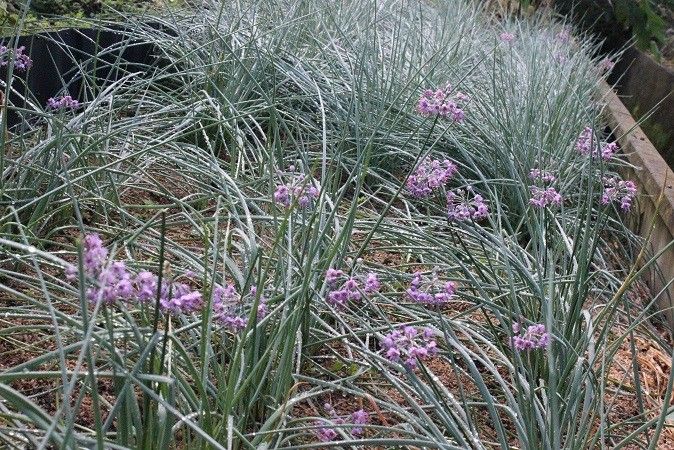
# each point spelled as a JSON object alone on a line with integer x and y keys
{"x": 295, "y": 234}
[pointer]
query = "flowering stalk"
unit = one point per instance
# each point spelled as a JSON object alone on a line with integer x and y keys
{"x": 113, "y": 283}
{"x": 506, "y": 37}
{"x": 22, "y": 62}
{"x": 544, "y": 197}
{"x": 326, "y": 428}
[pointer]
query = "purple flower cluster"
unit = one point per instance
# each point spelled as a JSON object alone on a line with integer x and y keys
{"x": 22, "y": 62}
{"x": 146, "y": 287}
{"x": 326, "y": 431}
{"x": 563, "y": 36}
{"x": 534, "y": 337}
{"x": 64, "y": 102}
{"x": 229, "y": 308}
{"x": 542, "y": 175}
{"x": 588, "y": 145}
{"x": 543, "y": 197}
{"x": 606, "y": 65}
{"x": 174, "y": 298}
{"x": 430, "y": 291}
{"x": 113, "y": 282}
{"x": 461, "y": 207}
{"x": 409, "y": 344}
{"x": 443, "y": 103}
{"x": 616, "y": 189}
{"x": 344, "y": 289}
{"x": 180, "y": 298}
{"x": 430, "y": 175}
{"x": 298, "y": 190}
{"x": 506, "y": 37}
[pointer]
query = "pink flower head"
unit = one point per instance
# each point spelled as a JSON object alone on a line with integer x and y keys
{"x": 506, "y": 37}
{"x": 62, "y": 103}
{"x": 113, "y": 283}
{"x": 146, "y": 287}
{"x": 534, "y": 337}
{"x": 606, "y": 65}
{"x": 342, "y": 289}
{"x": 461, "y": 207}
{"x": 588, "y": 145}
{"x": 372, "y": 283}
{"x": 542, "y": 198}
{"x": 182, "y": 301}
{"x": 432, "y": 291}
{"x": 325, "y": 434}
{"x": 408, "y": 344}
{"x": 443, "y": 103}
{"x": 22, "y": 62}
{"x": 298, "y": 189}
{"x": 542, "y": 175}
{"x": 430, "y": 175}
{"x": 617, "y": 190}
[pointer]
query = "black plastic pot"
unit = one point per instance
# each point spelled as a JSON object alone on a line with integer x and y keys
{"x": 63, "y": 59}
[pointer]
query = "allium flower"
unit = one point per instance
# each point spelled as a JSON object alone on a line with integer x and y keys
{"x": 588, "y": 145}
{"x": 606, "y": 65}
{"x": 541, "y": 198}
{"x": 113, "y": 283}
{"x": 408, "y": 344}
{"x": 343, "y": 289}
{"x": 326, "y": 431}
{"x": 332, "y": 275}
{"x": 372, "y": 283}
{"x": 443, "y": 103}
{"x": 542, "y": 175}
{"x": 64, "y": 102}
{"x": 182, "y": 300}
{"x": 146, "y": 287}
{"x": 430, "y": 175}
{"x": 430, "y": 292}
{"x": 231, "y": 309}
{"x": 461, "y": 207}
{"x": 360, "y": 417}
{"x": 563, "y": 36}
{"x": 506, "y": 37}
{"x": 534, "y": 337}
{"x": 22, "y": 62}
{"x": 95, "y": 254}
{"x": 227, "y": 308}
{"x": 298, "y": 190}
{"x": 617, "y": 190}
{"x": 325, "y": 434}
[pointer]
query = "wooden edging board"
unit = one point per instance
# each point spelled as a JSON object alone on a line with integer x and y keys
{"x": 653, "y": 177}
